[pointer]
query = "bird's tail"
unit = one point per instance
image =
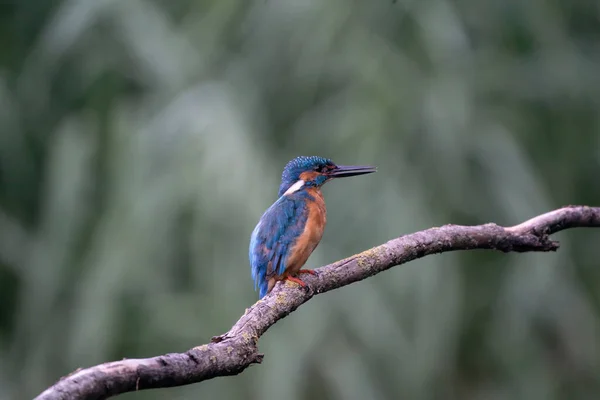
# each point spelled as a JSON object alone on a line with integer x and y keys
{"x": 263, "y": 288}
{"x": 260, "y": 280}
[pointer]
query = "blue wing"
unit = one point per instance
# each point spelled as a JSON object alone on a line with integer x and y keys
{"x": 274, "y": 235}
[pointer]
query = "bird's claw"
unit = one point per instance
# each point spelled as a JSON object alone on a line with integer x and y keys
{"x": 296, "y": 280}
{"x": 300, "y": 282}
{"x": 308, "y": 271}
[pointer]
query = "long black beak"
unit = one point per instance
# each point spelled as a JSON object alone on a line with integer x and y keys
{"x": 344, "y": 171}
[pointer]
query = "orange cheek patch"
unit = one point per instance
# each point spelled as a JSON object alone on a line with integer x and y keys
{"x": 309, "y": 175}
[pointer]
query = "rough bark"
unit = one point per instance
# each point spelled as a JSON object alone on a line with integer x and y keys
{"x": 234, "y": 351}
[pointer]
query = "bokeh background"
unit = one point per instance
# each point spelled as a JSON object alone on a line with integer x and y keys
{"x": 140, "y": 141}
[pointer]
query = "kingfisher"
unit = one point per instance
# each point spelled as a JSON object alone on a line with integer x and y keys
{"x": 290, "y": 230}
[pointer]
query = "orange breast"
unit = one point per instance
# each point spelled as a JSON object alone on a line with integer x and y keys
{"x": 312, "y": 234}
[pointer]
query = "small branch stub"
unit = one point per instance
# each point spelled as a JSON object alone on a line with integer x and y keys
{"x": 234, "y": 351}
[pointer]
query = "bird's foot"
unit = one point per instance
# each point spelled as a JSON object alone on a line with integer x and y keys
{"x": 296, "y": 280}
{"x": 307, "y": 271}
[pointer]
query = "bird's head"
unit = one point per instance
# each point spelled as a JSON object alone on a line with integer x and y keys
{"x": 304, "y": 172}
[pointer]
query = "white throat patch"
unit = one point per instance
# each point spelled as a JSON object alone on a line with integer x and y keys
{"x": 295, "y": 187}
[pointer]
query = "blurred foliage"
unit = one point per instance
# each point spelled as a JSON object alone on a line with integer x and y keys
{"x": 140, "y": 141}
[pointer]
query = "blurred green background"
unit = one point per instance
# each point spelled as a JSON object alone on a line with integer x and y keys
{"x": 140, "y": 141}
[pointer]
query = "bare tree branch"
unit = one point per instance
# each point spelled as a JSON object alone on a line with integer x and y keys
{"x": 234, "y": 351}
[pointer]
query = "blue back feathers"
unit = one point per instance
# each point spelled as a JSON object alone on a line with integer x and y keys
{"x": 293, "y": 169}
{"x": 273, "y": 238}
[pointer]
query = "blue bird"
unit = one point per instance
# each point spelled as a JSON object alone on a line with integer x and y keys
{"x": 290, "y": 230}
